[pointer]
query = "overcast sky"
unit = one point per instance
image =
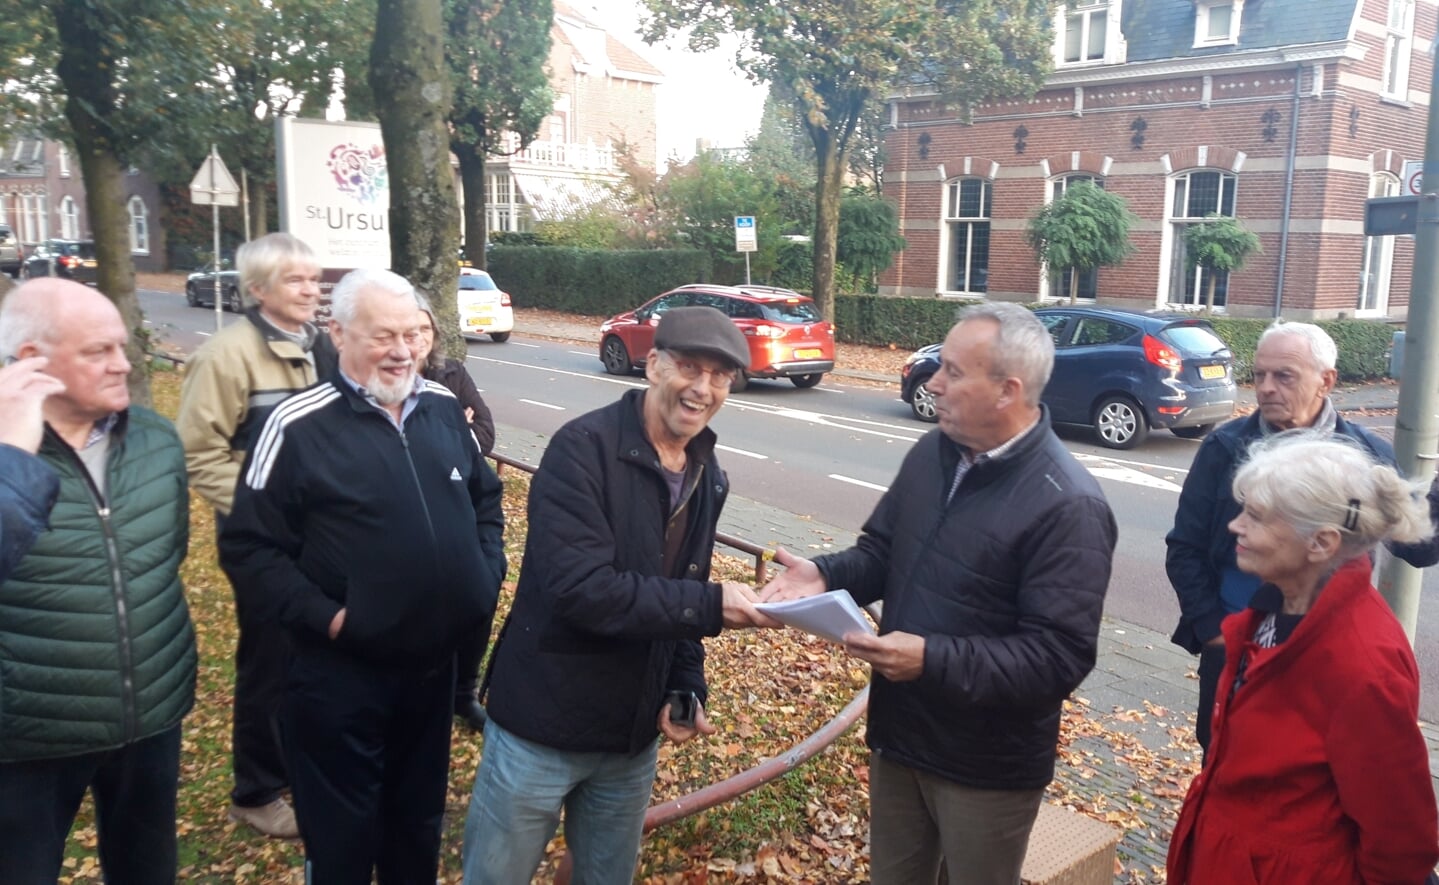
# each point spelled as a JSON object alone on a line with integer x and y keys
{"x": 704, "y": 96}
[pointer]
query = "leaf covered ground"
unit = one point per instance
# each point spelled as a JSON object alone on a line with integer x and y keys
{"x": 769, "y": 690}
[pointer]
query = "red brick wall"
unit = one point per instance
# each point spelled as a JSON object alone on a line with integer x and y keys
{"x": 1246, "y": 125}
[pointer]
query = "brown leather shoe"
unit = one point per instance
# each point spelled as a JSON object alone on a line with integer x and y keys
{"x": 275, "y": 819}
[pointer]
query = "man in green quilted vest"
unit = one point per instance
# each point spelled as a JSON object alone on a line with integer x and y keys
{"x": 97, "y": 653}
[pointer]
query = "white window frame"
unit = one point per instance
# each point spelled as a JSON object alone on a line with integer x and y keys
{"x": 69, "y": 219}
{"x": 1086, "y": 11}
{"x": 64, "y": 161}
{"x": 1202, "y": 9}
{"x": 139, "y": 226}
{"x": 1378, "y": 268}
{"x": 1398, "y": 47}
{"x": 1055, "y": 188}
{"x": 954, "y": 222}
{"x": 1174, "y": 225}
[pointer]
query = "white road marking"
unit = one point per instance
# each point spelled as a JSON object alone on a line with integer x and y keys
{"x": 581, "y": 352}
{"x": 859, "y": 482}
{"x": 543, "y": 405}
{"x": 204, "y": 334}
{"x": 747, "y": 454}
{"x": 523, "y": 344}
{"x": 1105, "y": 468}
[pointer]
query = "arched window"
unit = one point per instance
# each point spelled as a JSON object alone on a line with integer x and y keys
{"x": 968, "y": 205}
{"x": 139, "y": 227}
{"x": 1197, "y": 195}
{"x": 1378, "y": 255}
{"x": 1060, "y": 277}
{"x": 69, "y": 220}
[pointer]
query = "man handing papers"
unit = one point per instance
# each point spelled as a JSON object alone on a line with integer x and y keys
{"x": 828, "y": 615}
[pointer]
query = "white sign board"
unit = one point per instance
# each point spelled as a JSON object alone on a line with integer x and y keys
{"x": 213, "y": 185}
{"x": 745, "y": 238}
{"x": 334, "y": 190}
{"x": 1411, "y": 184}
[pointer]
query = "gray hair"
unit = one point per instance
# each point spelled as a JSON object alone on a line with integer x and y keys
{"x": 261, "y": 261}
{"x": 1321, "y": 346}
{"x": 347, "y": 290}
{"x": 1023, "y": 348}
{"x": 1314, "y": 480}
{"x": 24, "y": 319}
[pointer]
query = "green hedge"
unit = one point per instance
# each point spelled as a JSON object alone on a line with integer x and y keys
{"x": 592, "y": 282}
{"x": 885, "y": 320}
{"x": 1363, "y": 345}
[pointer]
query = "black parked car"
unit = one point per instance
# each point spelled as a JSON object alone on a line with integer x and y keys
{"x": 1119, "y": 371}
{"x": 71, "y": 259}
{"x": 200, "y": 287}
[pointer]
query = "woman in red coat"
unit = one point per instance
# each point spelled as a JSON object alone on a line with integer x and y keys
{"x": 1317, "y": 771}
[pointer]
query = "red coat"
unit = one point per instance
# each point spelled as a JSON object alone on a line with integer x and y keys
{"x": 1317, "y": 771}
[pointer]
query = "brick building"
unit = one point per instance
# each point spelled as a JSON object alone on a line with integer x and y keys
{"x": 604, "y": 95}
{"x": 1285, "y": 113}
{"x": 42, "y": 196}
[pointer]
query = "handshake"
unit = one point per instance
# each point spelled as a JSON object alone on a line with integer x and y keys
{"x": 800, "y": 578}
{"x": 896, "y": 655}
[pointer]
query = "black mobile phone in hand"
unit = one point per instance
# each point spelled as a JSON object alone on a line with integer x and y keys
{"x": 683, "y": 705}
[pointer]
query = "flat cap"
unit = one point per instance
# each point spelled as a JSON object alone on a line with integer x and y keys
{"x": 702, "y": 330}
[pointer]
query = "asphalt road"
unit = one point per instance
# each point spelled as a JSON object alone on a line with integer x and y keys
{"x": 829, "y": 452}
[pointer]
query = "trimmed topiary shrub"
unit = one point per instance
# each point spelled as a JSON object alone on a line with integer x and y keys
{"x": 592, "y": 282}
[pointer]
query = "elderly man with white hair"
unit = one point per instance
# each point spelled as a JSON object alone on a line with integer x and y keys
{"x": 1294, "y": 371}
{"x": 368, "y": 524}
{"x": 97, "y": 653}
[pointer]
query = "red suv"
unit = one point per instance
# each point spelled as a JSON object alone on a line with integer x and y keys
{"x": 787, "y": 336}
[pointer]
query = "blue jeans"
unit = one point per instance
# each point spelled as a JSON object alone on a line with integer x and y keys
{"x": 134, "y": 790}
{"x": 519, "y": 791}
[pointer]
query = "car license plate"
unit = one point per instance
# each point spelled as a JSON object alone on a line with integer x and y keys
{"x": 479, "y": 321}
{"x": 1209, "y": 373}
{"x": 808, "y": 353}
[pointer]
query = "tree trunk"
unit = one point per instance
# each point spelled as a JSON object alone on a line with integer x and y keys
{"x": 472, "y": 180}
{"x": 412, "y": 98}
{"x": 259, "y": 209}
{"x": 1209, "y": 291}
{"x": 1073, "y": 285}
{"x": 90, "y": 101}
{"x": 829, "y": 166}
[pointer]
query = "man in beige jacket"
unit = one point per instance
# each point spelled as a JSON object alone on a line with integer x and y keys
{"x": 232, "y": 383}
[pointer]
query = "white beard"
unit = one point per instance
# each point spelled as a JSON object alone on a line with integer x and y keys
{"x": 390, "y": 393}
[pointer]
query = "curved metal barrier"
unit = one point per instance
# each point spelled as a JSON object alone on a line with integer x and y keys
{"x": 761, "y": 774}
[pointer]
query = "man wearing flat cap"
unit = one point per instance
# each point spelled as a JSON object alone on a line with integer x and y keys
{"x": 601, "y": 654}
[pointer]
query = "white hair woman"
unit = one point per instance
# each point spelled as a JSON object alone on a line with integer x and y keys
{"x": 1317, "y": 771}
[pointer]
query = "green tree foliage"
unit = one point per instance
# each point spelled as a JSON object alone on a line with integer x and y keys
{"x": 696, "y": 205}
{"x": 411, "y": 85}
{"x": 1084, "y": 228}
{"x": 1219, "y": 243}
{"x": 837, "y": 58}
{"x": 496, "y": 52}
{"x": 868, "y": 236}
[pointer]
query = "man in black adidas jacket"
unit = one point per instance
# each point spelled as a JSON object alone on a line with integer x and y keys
{"x": 991, "y": 552}
{"x": 367, "y": 523}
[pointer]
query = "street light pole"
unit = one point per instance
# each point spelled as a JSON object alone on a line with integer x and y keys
{"x": 1416, "y": 432}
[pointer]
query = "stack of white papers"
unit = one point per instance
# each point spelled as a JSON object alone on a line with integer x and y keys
{"x": 827, "y": 615}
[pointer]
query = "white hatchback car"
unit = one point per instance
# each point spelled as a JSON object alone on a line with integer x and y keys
{"x": 484, "y": 307}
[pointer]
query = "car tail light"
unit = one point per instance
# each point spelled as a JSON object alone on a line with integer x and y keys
{"x": 1171, "y": 410}
{"x": 69, "y": 261}
{"x": 1161, "y": 354}
{"x": 763, "y": 330}
{"x": 504, "y": 299}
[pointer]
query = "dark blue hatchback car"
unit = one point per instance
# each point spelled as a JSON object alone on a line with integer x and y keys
{"x": 1119, "y": 371}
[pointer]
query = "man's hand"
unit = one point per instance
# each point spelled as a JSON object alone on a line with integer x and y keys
{"x": 739, "y": 610}
{"x": 799, "y": 578}
{"x": 680, "y": 733}
{"x": 898, "y": 657}
{"x": 337, "y": 623}
{"x": 469, "y": 415}
{"x": 1218, "y": 640}
{"x": 23, "y": 389}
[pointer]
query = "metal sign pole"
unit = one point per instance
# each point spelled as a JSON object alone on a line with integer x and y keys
{"x": 215, "y": 257}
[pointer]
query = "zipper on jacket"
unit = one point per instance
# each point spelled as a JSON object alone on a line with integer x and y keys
{"x": 117, "y": 584}
{"x": 419, "y": 489}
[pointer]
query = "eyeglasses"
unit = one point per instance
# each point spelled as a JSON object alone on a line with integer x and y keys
{"x": 720, "y": 379}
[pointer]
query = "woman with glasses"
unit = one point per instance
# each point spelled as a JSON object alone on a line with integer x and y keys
{"x": 1317, "y": 770}
{"x": 452, "y": 373}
